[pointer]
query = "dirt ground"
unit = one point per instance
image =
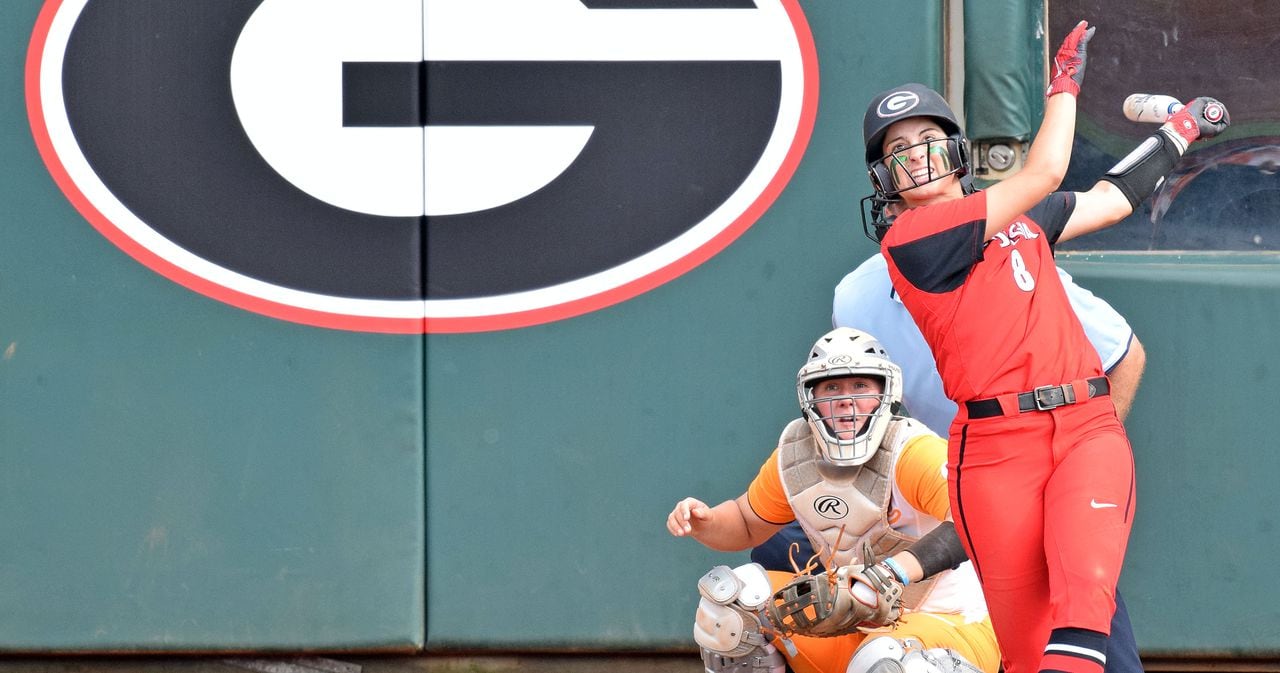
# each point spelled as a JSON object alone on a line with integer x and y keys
{"x": 531, "y": 663}
{"x": 359, "y": 664}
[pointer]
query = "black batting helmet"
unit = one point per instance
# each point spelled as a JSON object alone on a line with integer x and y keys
{"x": 904, "y": 102}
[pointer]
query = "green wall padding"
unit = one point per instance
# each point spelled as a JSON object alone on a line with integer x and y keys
{"x": 180, "y": 475}
{"x": 1004, "y": 68}
{"x": 555, "y": 452}
{"x": 1203, "y": 431}
{"x": 177, "y": 475}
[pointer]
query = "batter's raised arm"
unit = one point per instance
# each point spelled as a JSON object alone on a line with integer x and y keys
{"x": 1050, "y": 152}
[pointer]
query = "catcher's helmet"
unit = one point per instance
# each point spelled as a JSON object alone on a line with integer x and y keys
{"x": 904, "y": 102}
{"x": 849, "y": 352}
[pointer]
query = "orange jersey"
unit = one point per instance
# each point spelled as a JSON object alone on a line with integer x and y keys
{"x": 919, "y": 487}
{"x": 953, "y": 614}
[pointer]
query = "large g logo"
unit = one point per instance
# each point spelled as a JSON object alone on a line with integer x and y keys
{"x": 421, "y": 165}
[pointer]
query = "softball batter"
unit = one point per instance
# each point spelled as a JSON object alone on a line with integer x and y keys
{"x": 1040, "y": 471}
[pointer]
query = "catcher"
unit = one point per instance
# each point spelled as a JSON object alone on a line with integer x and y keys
{"x": 869, "y": 488}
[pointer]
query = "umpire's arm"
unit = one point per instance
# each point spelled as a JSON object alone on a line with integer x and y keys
{"x": 1125, "y": 377}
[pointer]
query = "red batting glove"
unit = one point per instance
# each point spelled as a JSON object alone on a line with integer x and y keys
{"x": 1068, "y": 65}
{"x": 1203, "y": 117}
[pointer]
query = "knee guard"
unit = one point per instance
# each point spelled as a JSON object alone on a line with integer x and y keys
{"x": 763, "y": 660}
{"x": 727, "y": 626}
{"x": 890, "y": 655}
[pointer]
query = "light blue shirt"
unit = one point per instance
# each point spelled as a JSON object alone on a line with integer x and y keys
{"x": 865, "y": 300}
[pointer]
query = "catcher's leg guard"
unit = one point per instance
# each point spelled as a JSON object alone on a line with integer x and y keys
{"x": 766, "y": 659}
{"x": 727, "y": 626}
{"x": 890, "y": 655}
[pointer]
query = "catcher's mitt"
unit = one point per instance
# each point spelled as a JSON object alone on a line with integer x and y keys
{"x": 825, "y": 605}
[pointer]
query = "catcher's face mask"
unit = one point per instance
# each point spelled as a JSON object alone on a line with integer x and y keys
{"x": 848, "y": 422}
{"x": 846, "y": 404}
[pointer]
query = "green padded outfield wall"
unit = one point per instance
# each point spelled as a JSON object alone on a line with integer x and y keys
{"x": 195, "y": 463}
{"x": 1203, "y": 431}
{"x": 178, "y": 474}
{"x": 555, "y": 452}
{"x": 279, "y": 459}
{"x": 1196, "y": 271}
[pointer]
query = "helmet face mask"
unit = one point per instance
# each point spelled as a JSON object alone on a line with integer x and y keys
{"x": 848, "y": 437}
{"x": 877, "y": 215}
{"x": 889, "y": 182}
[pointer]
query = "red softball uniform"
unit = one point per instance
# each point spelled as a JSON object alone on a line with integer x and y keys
{"x": 1043, "y": 499}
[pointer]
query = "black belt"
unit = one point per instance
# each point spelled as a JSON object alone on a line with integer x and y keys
{"x": 1040, "y": 399}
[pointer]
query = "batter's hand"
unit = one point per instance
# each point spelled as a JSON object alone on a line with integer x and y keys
{"x": 1201, "y": 118}
{"x": 1068, "y": 64}
{"x": 688, "y": 514}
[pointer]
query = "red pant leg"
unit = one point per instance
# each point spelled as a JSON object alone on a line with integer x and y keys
{"x": 1089, "y": 506}
{"x": 997, "y": 470}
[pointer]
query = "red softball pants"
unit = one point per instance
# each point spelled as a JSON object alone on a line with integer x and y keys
{"x": 1043, "y": 502}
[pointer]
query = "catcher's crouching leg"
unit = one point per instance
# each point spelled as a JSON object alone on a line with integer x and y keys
{"x": 890, "y": 655}
{"x": 727, "y": 626}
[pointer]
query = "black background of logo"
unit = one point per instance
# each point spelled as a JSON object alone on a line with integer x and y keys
{"x": 672, "y": 141}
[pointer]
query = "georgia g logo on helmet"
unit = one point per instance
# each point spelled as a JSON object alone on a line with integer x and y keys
{"x": 421, "y": 165}
{"x": 897, "y": 103}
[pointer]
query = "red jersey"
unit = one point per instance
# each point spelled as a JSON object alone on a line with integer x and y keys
{"x": 993, "y": 312}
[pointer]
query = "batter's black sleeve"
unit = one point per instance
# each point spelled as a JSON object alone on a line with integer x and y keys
{"x": 1052, "y": 213}
{"x": 940, "y": 262}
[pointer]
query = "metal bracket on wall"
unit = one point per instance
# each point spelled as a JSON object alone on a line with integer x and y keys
{"x": 995, "y": 159}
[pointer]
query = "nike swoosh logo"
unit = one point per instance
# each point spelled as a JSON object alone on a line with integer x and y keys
{"x": 1100, "y": 505}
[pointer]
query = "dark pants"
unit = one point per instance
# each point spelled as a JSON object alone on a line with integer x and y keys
{"x": 1122, "y": 648}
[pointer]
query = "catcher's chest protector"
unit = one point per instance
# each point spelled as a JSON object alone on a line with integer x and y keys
{"x": 857, "y": 499}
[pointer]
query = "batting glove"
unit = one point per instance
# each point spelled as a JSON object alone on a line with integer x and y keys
{"x": 1203, "y": 117}
{"x": 1068, "y": 64}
